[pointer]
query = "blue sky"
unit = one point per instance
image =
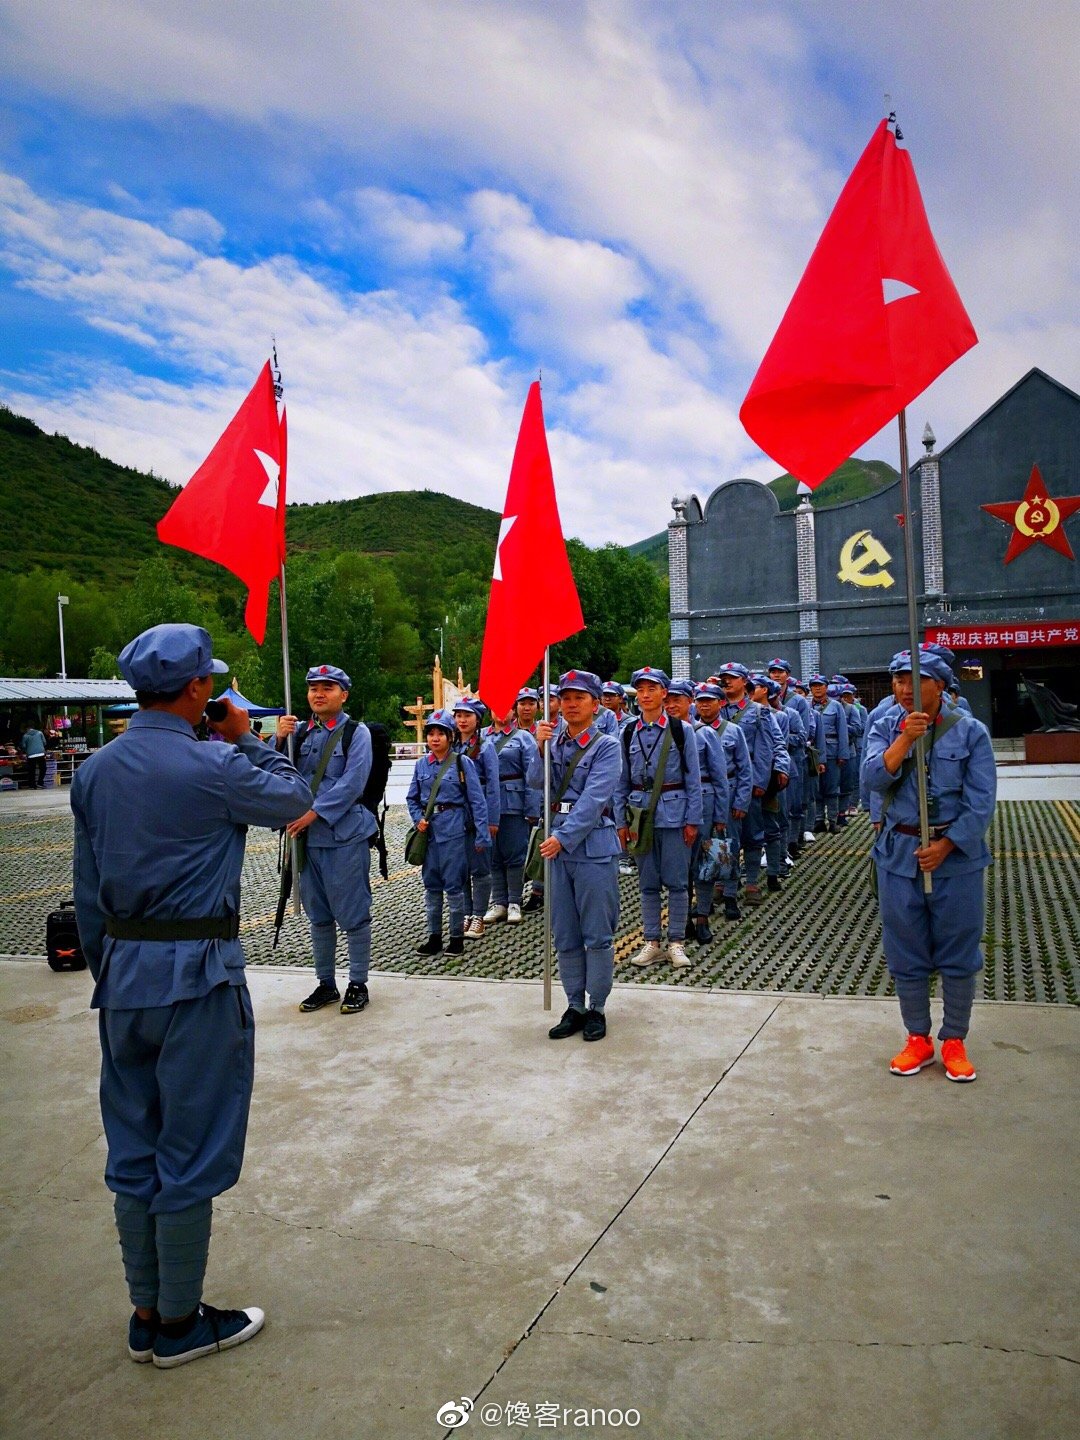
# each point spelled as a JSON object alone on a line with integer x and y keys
{"x": 429, "y": 202}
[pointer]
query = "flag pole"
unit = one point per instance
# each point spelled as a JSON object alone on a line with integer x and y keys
{"x": 547, "y": 831}
{"x": 913, "y": 642}
{"x": 294, "y": 852}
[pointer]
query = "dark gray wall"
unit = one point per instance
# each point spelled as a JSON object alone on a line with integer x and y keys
{"x": 861, "y": 627}
{"x": 1037, "y": 423}
{"x": 743, "y": 575}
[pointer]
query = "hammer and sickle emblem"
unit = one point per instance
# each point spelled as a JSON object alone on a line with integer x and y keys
{"x": 857, "y": 553}
{"x": 1037, "y": 517}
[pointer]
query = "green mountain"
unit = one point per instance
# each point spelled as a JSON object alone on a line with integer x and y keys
{"x": 65, "y": 507}
{"x": 854, "y": 480}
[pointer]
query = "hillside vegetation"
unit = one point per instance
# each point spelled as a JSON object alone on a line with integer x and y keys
{"x": 377, "y": 584}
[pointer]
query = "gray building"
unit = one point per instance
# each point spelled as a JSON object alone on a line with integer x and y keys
{"x": 825, "y": 587}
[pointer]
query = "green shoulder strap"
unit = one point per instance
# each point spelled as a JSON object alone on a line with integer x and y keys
{"x": 661, "y": 766}
{"x": 946, "y": 723}
{"x": 430, "y": 808}
{"x": 324, "y": 758}
{"x": 577, "y": 755}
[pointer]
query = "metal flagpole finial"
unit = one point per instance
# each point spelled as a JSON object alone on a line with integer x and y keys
{"x": 279, "y": 388}
{"x": 892, "y": 118}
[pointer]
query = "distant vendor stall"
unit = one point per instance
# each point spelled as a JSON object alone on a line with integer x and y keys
{"x": 70, "y": 715}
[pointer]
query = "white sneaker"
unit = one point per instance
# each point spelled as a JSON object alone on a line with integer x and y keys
{"x": 677, "y": 956}
{"x": 649, "y": 954}
{"x": 789, "y": 863}
{"x": 627, "y": 867}
{"x": 498, "y": 912}
{"x": 809, "y": 837}
{"x": 513, "y": 914}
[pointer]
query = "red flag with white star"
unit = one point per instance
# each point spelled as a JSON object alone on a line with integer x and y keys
{"x": 232, "y": 510}
{"x": 874, "y": 320}
{"x": 1036, "y": 517}
{"x": 534, "y": 601}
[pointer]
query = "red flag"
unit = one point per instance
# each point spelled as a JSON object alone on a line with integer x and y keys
{"x": 232, "y": 510}
{"x": 534, "y": 602}
{"x": 874, "y": 320}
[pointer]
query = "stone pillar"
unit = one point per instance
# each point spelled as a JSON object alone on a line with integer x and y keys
{"x": 930, "y": 505}
{"x": 679, "y": 599}
{"x": 806, "y": 559}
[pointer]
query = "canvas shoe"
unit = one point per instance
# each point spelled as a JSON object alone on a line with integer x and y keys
{"x": 513, "y": 914}
{"x": 474, "y": 930}
{"x": 915, "y": 1056}
{"x": 141, "y": 1337}
{"x": 677, "y": 956}
{"x": 210, "y": 1330}
{"x": 957, "y": 1065}
{"x": 808, "y": 837}
{"x": 498, "y": 912}
{"x": 649, "y": 954}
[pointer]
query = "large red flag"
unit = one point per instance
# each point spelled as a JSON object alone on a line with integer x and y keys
{"x": 534, "y": 602}
{"x": 874, "y": 320}
{"x": 232, "y": 510}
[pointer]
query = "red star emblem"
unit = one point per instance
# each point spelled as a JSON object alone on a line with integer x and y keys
{"x": 1036, "y": 517}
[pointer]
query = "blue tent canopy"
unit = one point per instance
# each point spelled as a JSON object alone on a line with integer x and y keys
{"x": 242, "y": 703}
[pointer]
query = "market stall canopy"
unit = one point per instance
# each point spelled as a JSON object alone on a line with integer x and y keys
{"x": 64, "y": 692}
{"x": 243, "y": 703}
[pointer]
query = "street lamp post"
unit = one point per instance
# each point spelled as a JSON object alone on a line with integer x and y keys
{"x": 61, "y": 601}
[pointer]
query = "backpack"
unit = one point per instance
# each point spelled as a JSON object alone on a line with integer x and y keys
{"x": 375, "y": 789}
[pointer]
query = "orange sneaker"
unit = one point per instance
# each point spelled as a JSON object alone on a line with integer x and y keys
{"x": 915, "y": 1056}
{"x": 957, "y": 1065}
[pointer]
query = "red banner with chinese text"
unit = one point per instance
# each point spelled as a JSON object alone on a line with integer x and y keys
{"x": 1007, "y": 635}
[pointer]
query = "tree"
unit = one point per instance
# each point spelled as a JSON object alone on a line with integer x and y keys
{"x": 103, "y": 664}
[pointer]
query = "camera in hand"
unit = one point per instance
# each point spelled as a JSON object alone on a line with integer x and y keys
{"x": 216, "y": 710}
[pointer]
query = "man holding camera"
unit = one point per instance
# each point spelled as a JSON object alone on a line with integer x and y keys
{"x": 160, "y": 826}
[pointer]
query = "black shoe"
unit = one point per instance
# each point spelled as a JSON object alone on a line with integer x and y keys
{"x": 571, "y": 1022}
{"x": 772, "y": 882}
{"x": 794, "y": 850}
{"x": 691, "y": 929}
{"x": 595, "y": 1027}
{"x": 320, "y": 996}
{"x": 534, "y": 902}
{"x": 356, "y": 997}
{"x": 842, "y": 821}
{"x": 819, "y": 827}
{"x": 455, "y": 945}
{"x": 731, "y": 910}
{"x": 431, "y": 946}
{"x": 834, "y": 828}
{"x": 702, "y": 934}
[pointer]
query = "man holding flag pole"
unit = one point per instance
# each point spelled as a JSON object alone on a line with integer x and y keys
{"x": 874, "y": 320}
{"x": 518, "y": 636}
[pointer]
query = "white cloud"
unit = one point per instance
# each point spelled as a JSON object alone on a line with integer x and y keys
{"x": 643, "y": 181}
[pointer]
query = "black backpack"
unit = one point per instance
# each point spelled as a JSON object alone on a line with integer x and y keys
{"x": 375, "y": 789}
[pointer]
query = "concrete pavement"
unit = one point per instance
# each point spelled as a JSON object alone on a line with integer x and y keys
{"x": 727, "y": 1217}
